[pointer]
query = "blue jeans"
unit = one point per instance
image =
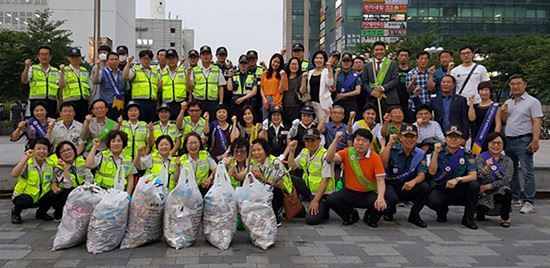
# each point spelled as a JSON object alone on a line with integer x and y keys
{"x": 516, "y": 149}
{"x": 265, "y": 112}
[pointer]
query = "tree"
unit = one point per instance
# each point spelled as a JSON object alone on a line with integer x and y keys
{"x": 18, "y": 46}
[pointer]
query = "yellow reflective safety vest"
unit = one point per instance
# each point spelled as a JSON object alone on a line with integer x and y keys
{"x": 76, "y": 85}
{"x": 77, "y": 176}
{"x": 258, "y": 73}
{"x": 37, "y": 181}
{"x": 206, "y": 88}
{"x": 241, "y": 90}
{"x": 203, "y": 167}
{"x": 269, "y": 174}
{"x": 43, "y": 85}
{"x": 188, "y": 127}
{"x": 136, "y": 139}
{"x": 305, "y": 66}
{"x": 143, "y": 86}
{"x": 170, "y": 130}
{"x": 174, "y": 89}
{"x": 107, "y": 169}
{"x": 157, "y": 167}
{"x": 312, "y": 171}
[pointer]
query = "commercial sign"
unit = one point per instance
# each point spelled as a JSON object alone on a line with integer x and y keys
{"x": 383, "y": 25}
{"x": 384, "y": 8}
{"x": 384, "y": 20}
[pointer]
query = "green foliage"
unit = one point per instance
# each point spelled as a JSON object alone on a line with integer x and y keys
{"x": 18, "y": 46}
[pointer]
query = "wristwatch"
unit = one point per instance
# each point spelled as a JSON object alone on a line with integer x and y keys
{"x": 459, "y": 179}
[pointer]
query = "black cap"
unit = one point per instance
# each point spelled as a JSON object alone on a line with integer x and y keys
{"x": 221, "y": 50}
{"x": 298, "y": 47}
{"x": 252, "y": 54}
{"x": 171, "y": 53}
{"x": 132, "y": 104}
{"x": 347, "y": 56}
{"x": 243, "y": 59}
{"x": 193, "y": 53}
{"x": 74, "y": 52}
{"x": 454, "y": 130}
{"x": 122, "y": 48}
{"x": 307, "y": 110}
{"x": 104, "y": 48}
{"x": 165, "y": 107}
{"x": 409, "y": 129}
{"x": 276, "y": 109}
{"x": 205, "y": 49}
{"x": 312, "y": 133}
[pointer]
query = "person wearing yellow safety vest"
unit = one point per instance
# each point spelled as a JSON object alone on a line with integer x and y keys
{"x": 317, "y": 181}
{"x": 43, "y": 80}
{"x": 207, "y": 82}
{"x": 174, "y": 83}
{"x": 164, "y": 126}
{"x": 228, "y": 70}
{"x": 298, "y": 52}
{"x": 364, "y": 185}
{"x": 34, "y": 173}
{"x": 369, "y": 123}
{"x": 198, "y": 160}
{"x": 136, "y": 130}
{"x": 258, "y": 71}
{"x": 73, "y": 84}
{"x": 69, "y": 172}
{"x": 236, "y": 162}
{"x": 270, "y": 170}
{"x": 154, "y": 163}
{"x": 244, "y": 87}
{"x": 193, "y": 122}
{"x": 112, "y": 164}
{"x": 145, "y": 83}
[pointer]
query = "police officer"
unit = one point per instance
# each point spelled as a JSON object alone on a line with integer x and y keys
{"x": 145, "y": 82}
{"x": 174, "y": 83}
{"x": 193, "y": 56}
{"x": 405, "y": 166}
{"x": 228, "y": 71}
{"x": 208, "y": 82}
{"x": 455, "y": 178}
{"x": 73, "y": 83}
{"x": 243, "y": 86}
{"x": 299, "y": 127}
{"x": 348, "y": 86}
{"x": 298, "y": 52}
{"x": 42, "y": 79}
{"x": 317, "y": 181}
{"x": 257, "y": 70}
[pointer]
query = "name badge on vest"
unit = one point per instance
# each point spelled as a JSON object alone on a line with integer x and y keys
{"x": 54, "y": 75}
{"x": 214, "y": 76}
{"x": 141, "y": 130}
{"x": 395, "y": 170}
{"x": 202, "y": 167}
{"x": 180, "y": 76}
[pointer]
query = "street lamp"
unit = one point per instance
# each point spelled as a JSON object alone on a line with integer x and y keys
{"x": 433, "y": 50}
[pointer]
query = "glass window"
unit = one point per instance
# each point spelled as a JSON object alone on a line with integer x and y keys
{"x": 541, "y": 13}
{"x": 450, "y": 11}
{"x": 412, "y": 12}
{"x": 499, "y": 12}
{"x": 520, "y": 12}
{"x": 477, "y": 12}
{"x": 530, "y": 13}
{"x": 423, "y": 13}
{"x": 172, "y": 44}
{"x": 434, "y": 12}
{"x": 465, "y": 12}
{"x": 172, "y": 30}
{"x": 509, "y": 12}
{"x": 488, "y": 12}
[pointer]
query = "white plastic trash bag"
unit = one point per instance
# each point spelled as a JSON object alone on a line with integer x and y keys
{"x": 220, "y": 211}
{"x": 183, "y": 211}
{"x": 146, "y": 209}
{"x": 108, "y": 222}
{"x": 76, "y": 216}
{"x": 254, "y": 204}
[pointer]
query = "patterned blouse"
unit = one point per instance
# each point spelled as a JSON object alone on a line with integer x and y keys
{"x": 499, "y": 186}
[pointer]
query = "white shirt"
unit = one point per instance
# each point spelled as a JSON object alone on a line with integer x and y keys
{"x": 460, "y": 73}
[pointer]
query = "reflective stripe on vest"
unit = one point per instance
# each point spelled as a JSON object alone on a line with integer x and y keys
{"x": 157, "y": 167}
{"x": 143, "y": 86}
{"x": 106, "y": 173}
{"x": 76, "y": 86}
{"x": 305, "y": 66}
{"x": 37, "y": 183}
{"x": 241, "y": 90}
{"x": 259, "y": 72}
{"x": 176, "y": 89}
{"x": 136, "y": 139}
{"x": 188, "y": 127}
{"x": 313, "y": 171}
{"x": 43, "y": 86}
{"x": 203, "y": 167}
{"x": 206, "y": 88}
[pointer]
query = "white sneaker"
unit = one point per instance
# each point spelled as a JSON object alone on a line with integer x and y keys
{"x": 527, "y": 208}
{"x": 517, "y": 203}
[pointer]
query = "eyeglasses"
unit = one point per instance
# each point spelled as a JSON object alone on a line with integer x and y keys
{"x": 496, "y": 143}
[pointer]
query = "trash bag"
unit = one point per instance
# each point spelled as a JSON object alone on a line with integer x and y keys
{"x": 220, "y": 211}
{"x": 108, "y": 222}
{"x": 183, "y": 212}
{"x": 254, "y": 204}
{"x": 76, "y": 216}
{"x": 146, "y": 209}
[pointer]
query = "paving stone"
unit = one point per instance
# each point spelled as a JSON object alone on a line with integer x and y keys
{"x": 67, "y": 263}
{"x": 13, "y": 254}
{"x": 140, "y": 261}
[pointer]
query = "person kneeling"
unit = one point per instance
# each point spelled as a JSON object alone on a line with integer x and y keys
{"x": 363, "y": 179}
{"x": 317, "y": 180}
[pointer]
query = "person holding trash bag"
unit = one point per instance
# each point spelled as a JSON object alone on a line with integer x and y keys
{"x": 154, "y": 163}
{"x": 199, "y": 160}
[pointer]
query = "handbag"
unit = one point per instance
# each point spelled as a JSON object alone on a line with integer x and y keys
{"x": 292, "y": 204}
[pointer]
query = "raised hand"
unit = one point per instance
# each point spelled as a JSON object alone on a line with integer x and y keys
{"x": 22, "y": 125}
{"x": 27, "y": 154}
{"x": 234, "y": 120}
{"x": 141, "y": 151}
{"x": 183, "y": 105}
{"x": 387, "y": 118}
{"x": 150, "y": 126}
{"x": 352, "y": 114}
{"x": 293, "y": 145}
{"x": 119, "y": 120}
{"x": 130, "y": 59}
{"x": 61, "y": 67}
{"x": 296, "y": 122}
{"x": 206, "y": 116}
{"x": 451, "y": 65}
{"x": 393, "y": 138}
{"x": 431, "y": 70}
{"x": 438, "y": 147}
{"x": 28, "y": 62}
{"x": 88, "y": 119}
{"x": 96, "y": 142}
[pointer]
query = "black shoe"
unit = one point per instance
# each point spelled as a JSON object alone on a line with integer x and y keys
{"x": 480, "y": 217}
{"x": 15, "y": 217}
{"x": 418, "y": 222}
{"x": 57, "y": 216}
{"x": 388, "y": 217}
{"x": 372, "y": 223}
{"x": 469, "y": 223}
{"x": 353, "y": 219}
{"x": 279, "y": 220}
{"x": 441, "y": 217}
{"x": 44, "y": 216}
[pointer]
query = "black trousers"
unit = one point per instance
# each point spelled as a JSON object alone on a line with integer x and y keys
{"x": 81, "y": 109}
{"x": 51, "y": 107}
{"x": 505, "y": 202}
{"x": 277, "y": 202}
{"x": 210, "y": 106}
{"x": 418, "y": 195}
{"x": 464, "y": 194}
{"x": 148, "y": 110}
{"x": 305, "y": 194}
{"x": 59, "y": 200}
{"x": 25, "y": 201}
{"x": 345, "y": 201}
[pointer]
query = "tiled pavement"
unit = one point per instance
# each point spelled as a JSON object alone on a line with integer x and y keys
{"x": 395, "y": 244}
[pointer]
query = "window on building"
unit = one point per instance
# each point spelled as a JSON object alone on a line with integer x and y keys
{"x": 172, "y": 30}
{"x": 435, "y": 12}
{"x": 465, "y": 12}
{"x": 172, "y": 44}
{"x": 541, "y": 14}
{"x": 477, "y": 12}
{"x": 509, "y": 12}
{"x": 450, "y": 11}
{"x": 530, "y": 13}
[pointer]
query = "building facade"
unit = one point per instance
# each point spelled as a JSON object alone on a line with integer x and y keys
{"x": 155, "y": 34}
{"x": 301, "y": 21}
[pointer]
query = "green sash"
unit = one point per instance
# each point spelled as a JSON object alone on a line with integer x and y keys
{"x": 364, "y": 181}
{"x": 109, "y": 125}
{"x": 379, "y": 78}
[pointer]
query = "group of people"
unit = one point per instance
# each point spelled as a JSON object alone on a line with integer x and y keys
{"x": 342, "y": 132}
